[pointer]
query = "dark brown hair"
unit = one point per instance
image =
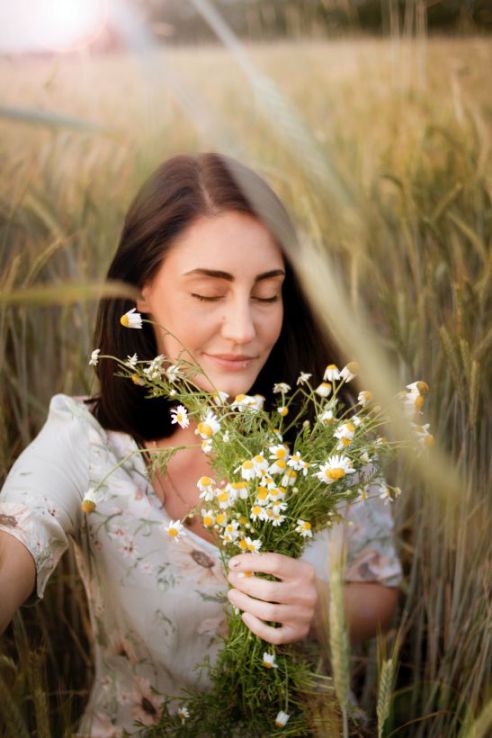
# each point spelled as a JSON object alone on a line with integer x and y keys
{"x": 182, "y": 189}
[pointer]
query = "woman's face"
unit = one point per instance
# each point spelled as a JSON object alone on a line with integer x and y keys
{"x": 218, "y": 291}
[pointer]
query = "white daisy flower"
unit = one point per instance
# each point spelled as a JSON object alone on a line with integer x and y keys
{"x": 208, "y": 518}
{"x": 297, "y": 462}
{"x": 326, "y": 416}
{"x": 304, "y": 528}
{"x": 231, "y": 532}
{"x": 131, "y": 319}
{"x": 154, "y": 368}
{"x": 269, "y": 661}
{"x": 175, "y": 530}
{"x": 183, "y": 713}
{"x": 421, "y": 387}
{"x": 257, "y": 512}
{"x": 238, "y": 489}
{"x": 259, "y": 402}
{"x": 262, "y": 496}
{"x": 242, "y": 402}
{"x": 206, "y": 485}
{"x": 179, "y": 415}
{"x": 423, "y": 435}
{"x": 364, "y": 398}
{"x": 335, "y": 468}
{"x": 226, "y": 437}
{"x": 279, "y": 452}
{"x": 131, "y": 361}
{"x": 345, "y": 433}
{"x": 222, "y": 519}
{"x": 89, "y": 502}
{"x": 349, "y": 372}
{"x": 278, "y": 467}
{"x": 281, "y": 387}
{"x": 281, "y": 719}
{"x": 172, "y": 373}
{"x": 209, "y": 426}
{"x": 247, "y": 469}
{"x": 224, "y": 499}
{"x": 94, "y": 357}
{"x": 303, "y": 378}
{"x": 253, "y": 545}
{"x": 323, "y": 389}
{"x": 276, "y": 518}
{"x": 390, "y": 493}
{"x": 331, "y": 373}
{"x": 289, "y": 478}
{"x": 277, "y": 493}
{"x": 261, "y": 464}
{"x": 220, "y": 398}
{"x": 207, "y": 446}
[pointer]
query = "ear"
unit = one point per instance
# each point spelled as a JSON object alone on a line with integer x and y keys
{"x": 142, "y": 304}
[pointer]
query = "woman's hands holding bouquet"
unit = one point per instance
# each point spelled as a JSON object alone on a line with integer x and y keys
{"x": 292, "y": 601}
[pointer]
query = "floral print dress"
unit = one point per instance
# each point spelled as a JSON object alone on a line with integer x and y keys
{"x": 157, "y": 606}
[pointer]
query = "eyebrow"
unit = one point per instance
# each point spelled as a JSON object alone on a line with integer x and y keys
{"x": 230, "y": 278}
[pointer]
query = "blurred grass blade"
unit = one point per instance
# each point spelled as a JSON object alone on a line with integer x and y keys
{"x": 51, "y": 120}
{"x": 68, "y": 293}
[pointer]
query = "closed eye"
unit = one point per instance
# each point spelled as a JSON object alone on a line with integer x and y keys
{"x": 219, "y": 297}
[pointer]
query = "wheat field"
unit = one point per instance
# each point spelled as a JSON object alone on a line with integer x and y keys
{"x": 382, "y": 151}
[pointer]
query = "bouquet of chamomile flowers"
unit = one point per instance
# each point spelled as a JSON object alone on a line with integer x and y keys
{"x": 268, "y": 494}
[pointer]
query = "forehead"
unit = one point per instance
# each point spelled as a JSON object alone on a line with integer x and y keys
{"x": 232, "y": 242}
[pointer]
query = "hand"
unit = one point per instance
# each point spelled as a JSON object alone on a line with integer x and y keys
{"x": 292, "y": 601}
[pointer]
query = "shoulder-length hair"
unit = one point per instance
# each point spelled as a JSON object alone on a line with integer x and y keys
{"x": 182, "y": 189}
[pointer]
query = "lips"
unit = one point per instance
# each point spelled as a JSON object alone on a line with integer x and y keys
{"x": 231, "y": 357}
{"x": 231, "y": 362}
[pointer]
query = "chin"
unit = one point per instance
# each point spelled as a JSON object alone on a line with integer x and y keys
{"x": 223, "y": 383}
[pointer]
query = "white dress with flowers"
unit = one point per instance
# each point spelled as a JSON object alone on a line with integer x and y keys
{"x": 157, "y": 605}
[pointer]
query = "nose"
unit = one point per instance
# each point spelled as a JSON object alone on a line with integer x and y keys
{"x": 237, "y": 324}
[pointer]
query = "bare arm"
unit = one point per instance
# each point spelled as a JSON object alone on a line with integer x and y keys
{"x": 17, "y": 577}
{"x": 369, "y": 608}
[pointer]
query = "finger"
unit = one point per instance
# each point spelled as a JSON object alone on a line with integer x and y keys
{"x": 281, "y": 566}
{"x": 262, "y": 589}
{"x": 285, "y": 634}
{"x": 269, "y": 611}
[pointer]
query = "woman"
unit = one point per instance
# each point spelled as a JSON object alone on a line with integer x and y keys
{"x": 206, "y": 243}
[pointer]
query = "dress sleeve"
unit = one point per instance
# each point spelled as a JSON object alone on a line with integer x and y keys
{"x": 368, "y": 532}
{"x": 40, "y": 500}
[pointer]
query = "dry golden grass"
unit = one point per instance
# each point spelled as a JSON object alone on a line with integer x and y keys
{"x": 382, "y": 151}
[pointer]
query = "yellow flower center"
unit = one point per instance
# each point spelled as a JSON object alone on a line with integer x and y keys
{"x": 125, "y": 321}
{"x": 248, "y": 465}
{"x": 243, "y": 544}
{"x": 173, "y": 532}
{"x": 204, "y": 429}
{"x": 88, "y": 506}
{"x": 221, "y": 518}
{"x": 262, "y": 493}
{"x": 419, "y": 402}
{"x": 336, "y": 473}
{"x": 208, "y": 521}
{"x": 256, "y": 510}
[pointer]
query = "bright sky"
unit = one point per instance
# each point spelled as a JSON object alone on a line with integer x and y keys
{"x": 57, "y": 25}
